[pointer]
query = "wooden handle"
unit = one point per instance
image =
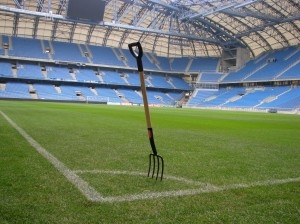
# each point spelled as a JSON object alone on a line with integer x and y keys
{"x": 145, "y": 99}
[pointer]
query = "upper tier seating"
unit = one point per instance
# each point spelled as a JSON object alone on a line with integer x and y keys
{"x": 132, "y": 78}
{"x": 104, "y": 56}
{"x": 210, "y": 77}
{"x": 25, "y": 47}
{"x": 272, "y": 66}
{"x": 179, "y": 83}
{"x": 159, "y": 81}
{"x": 180, "y": 64}
{"x": 292, "y": 73}
{"x": 163, "y": 63}
{"x": 67, "y": 52}
{"x": 239, "y": 75}
{"x": 204, "y": 64}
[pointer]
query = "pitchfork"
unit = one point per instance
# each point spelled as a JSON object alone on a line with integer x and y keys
{"x": 155, "y": 161}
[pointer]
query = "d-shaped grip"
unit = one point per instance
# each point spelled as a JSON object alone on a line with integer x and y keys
{"x": 138, "y": 55}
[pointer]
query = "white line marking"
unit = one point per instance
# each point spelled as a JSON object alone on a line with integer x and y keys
{"x": 133, "y": 173}
{"x": 91, "y": 194}
{"x": 205, "y": 187}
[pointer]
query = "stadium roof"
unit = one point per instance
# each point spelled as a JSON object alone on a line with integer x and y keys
{"x": 171, "y": 28}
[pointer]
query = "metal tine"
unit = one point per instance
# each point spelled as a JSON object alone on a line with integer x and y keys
{"x": 157, "y": 166}
{"x": 150, "y": 162}
{"x": 162, "y": 167}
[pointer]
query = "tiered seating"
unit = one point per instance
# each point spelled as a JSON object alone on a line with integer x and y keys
{"x": 5, "y": 69}
{"x": 180, "y": 64}
{"x": 255, "y": 97}
{"x": 72, "y": 91}
{"x": 289, "y": 99}
{"x": 108, "y": 93}
{"x": 1, "y": 44}
{"x": 28, "y": 48}
{"x": 210, "y": 77}
{"x": 104, "y": 56}
{"x": 133, "y": 78}
{"x": 29, "y": 70}
{"x": 86, "y": 75}
{"x": 275, "y": 63}
{"x": 131, "y": 95}
{"x": 130, "y": 60}
{"x": 179, "y": 83}
{"x": 175, "y": 96}
{"x": 222, "y": 96}
{"x": 159, "y": 81}
{"x": 200, "y": 97}
{"x": 47, "y": 92}
{"x": 150, "y": 61}
{"x": 163, "y": 63}
{"x": 156, "y": 97}
{"x": 112, "y": 77}
{"x": 204, "y": 64}
{"x": 239, "y": 75}
{"x": 291, "y": 73}
{"x": 67, "y": 52}
{"x": 58, "y": 73}
{"x": 16, "y": 90}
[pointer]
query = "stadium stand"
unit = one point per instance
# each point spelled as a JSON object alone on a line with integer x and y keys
{"x": 132, "y": 96}
{"x": 29, "y": 71}
{"x": 178, "y": 83}
{"x": 112, "y": 77}
{"x": 86, "y": 75}
{"x": 16, "y": 90}
{"x": 132, "y": 78}
{"x": 110, "y": 74}
{"x": 104, "y": 56}
{"x": 25, "y": 47}
{"x": 58, "y": 73}
{"x": 180, "y": 64}
{"x": 67, "y": 52}
{"x": 163, "y": 63}
{"x": 5, "y": 69}
{"x": 108, "y": 93}
{"x": 204, "y": 64}
{"x": 287, "y": 100}
{"x": 47, "y": 92}
{"x": 210, "y": 77}
{"x": 159, "y": 81}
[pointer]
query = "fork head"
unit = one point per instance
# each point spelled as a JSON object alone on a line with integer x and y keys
{"x": 156, "y": 165}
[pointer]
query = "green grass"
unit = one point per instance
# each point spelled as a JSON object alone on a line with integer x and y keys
{"x": 220, "y": 148}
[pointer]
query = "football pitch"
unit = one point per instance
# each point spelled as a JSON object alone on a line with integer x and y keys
{"x": 88, "y": 163}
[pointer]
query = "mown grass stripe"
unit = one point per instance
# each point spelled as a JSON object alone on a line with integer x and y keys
{"x": 89, "y": 192}
{"x": 205, "y": 187}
